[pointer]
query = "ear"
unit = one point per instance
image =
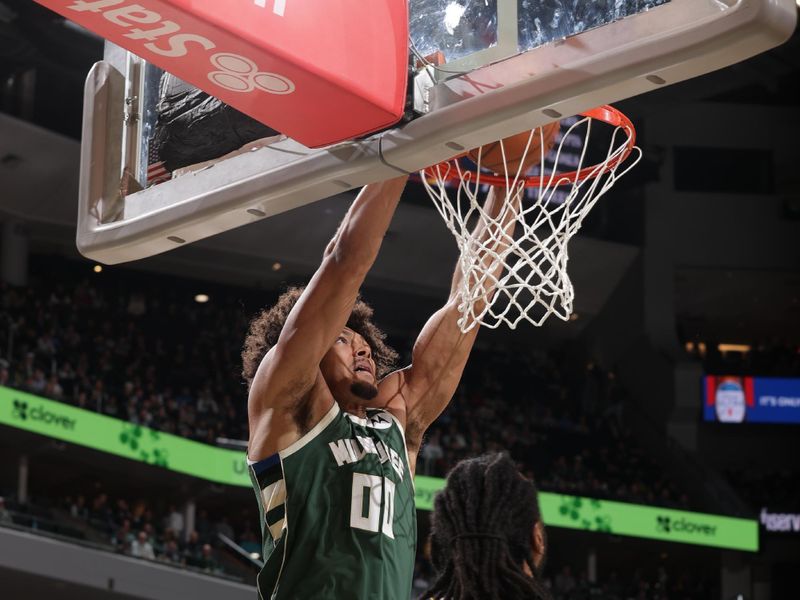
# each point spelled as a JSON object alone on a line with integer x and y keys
{"x": 539, "y": 544}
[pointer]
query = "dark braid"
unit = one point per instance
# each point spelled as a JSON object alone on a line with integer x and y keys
{"x": 481, "y": 533}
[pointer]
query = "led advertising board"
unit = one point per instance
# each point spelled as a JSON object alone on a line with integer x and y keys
{"x": 122, "y": 438}
{"x": 633, "y": 520}
{"x": 780, "y": 522}
{"x": 735, "y": 399}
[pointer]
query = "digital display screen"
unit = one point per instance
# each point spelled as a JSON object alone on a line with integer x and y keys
{"x": 779, "y": 522}
{"x": 736, "y": 399}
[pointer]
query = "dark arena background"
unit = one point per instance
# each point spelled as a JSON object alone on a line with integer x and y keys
{"x": 662, "y": 423}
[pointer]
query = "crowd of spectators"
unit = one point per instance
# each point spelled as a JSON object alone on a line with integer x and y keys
{"x": 661, "y": 584}
{"x": 564, "y": 426}
{"x": 164, "y": 361}
{"x": 138, "y": 529}
{"x": 770, "y": 488}
{"x": 154, "y": 359}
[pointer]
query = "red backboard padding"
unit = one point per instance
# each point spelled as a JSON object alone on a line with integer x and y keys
{"x": 319, "y": 71}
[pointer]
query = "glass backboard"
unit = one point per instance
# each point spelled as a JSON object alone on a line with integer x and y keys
{"x": 471, "y": 33}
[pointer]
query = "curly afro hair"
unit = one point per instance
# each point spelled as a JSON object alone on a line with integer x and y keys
{"x": 266, "y": 327}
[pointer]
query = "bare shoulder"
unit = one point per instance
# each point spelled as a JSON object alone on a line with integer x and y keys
{"x": 277, "y": 418}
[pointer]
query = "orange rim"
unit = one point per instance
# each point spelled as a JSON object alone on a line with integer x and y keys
{"x": 607, "y": 114}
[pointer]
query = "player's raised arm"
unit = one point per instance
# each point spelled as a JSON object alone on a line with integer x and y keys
{"x": 441, "y": 350}
{"x": 291, "y": 366}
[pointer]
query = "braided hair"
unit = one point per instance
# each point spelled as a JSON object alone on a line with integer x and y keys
{"x": 481, "y": 532}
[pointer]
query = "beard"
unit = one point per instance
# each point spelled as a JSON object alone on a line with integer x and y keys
{"x": 363, "y": 390}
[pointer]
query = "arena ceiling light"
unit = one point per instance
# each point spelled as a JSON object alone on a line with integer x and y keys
{"x": 97, "y": 268}
{"x": 201, "y": 298}
{"x": 735, "y": 347}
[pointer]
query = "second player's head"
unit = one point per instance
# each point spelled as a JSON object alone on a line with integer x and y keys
{"x": 357, "y": 359}
{"x": 487, "y": 535}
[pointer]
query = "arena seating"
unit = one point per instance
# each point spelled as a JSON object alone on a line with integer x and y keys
{"x": 162, "y": 360}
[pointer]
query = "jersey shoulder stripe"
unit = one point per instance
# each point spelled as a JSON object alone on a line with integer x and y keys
{"x": 268, "y": 473}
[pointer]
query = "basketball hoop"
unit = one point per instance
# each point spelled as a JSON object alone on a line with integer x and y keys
{"x": 534, "y": 283}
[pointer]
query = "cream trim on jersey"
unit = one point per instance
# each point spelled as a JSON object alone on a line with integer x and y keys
{"x": 286, "y": 515}
{"x": 397, "y": 421}
{"x": 357, "y": 420}
{"x": 315, "y": 431}
{"x": 405, "y": 448}
{"x": 274, "y": 495}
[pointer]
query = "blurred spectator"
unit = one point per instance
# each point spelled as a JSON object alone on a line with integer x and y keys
{"x": 142, "y": 548}
{"x": 5, "y": 516}
{"x": 207, "y": 562}
{"x": 564, "y": 582}
{"x": 172, "y": 552}
{"x": 192, "y": 549}
{"x": 203, "y": 524}
{"x": 174, "y": 520}
{"x": 123, "y": 539}
{"x": 250, "y": 542}
{"x": 78, "y": 508}
{"x": 431, "y": 453}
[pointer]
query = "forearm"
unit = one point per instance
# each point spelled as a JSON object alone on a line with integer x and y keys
{"x": 358, "y": 239}
{"x": 442, "y": 349}
{"x": 325, "y": 305}
{"x": 496, "y": 235}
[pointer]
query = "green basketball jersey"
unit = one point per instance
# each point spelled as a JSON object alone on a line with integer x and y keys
{"x": 337, "y": 512}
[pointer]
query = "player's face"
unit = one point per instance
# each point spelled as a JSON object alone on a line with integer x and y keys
{"x": 348, "y": 368}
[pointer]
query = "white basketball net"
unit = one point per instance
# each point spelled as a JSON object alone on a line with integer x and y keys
{"x": 534, "y": 282}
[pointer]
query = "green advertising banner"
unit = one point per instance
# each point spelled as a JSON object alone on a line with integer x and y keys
{"x": 635, "y": 520}
{"x": 99, "y": 432}
{"x": 122, "y": 438}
